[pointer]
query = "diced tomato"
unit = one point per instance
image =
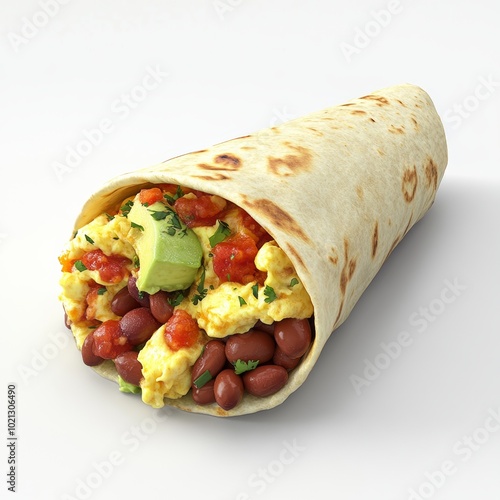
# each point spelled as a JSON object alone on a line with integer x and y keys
{"x": 112, "y": 268}
{"x": 150, "y": 196}
{"x": 109, "y": 340}
{"x": 254, "y": 229}
{"x": 181, "y": 330}
{"x": 234, "y": 259}
{"x": 201, "y": 211}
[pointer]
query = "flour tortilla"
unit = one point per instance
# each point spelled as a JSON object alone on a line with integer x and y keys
{"x": 337, "y": 189}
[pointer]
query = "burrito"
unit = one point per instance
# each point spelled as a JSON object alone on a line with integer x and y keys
{"x": 212, "y": 281}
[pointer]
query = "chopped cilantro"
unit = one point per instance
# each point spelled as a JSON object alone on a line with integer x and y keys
{"x": 80, "y": 266}
{"x": 110, "y": 217}
{"x": 102, "y": 290}
{"x": 136, "y": 226}
{"x": 293, "y": 282}
{"x": 255, "y": 290}
{"x": 202, "y": 291}
{"x": 89, "y": 239}
{"x": 270, "y": 294}
{"x": 242, "y": 301}
{"x": 221, "y": 233}
{"x": 125, "y": 209}
{"x": 158, "y": 214}
{"x": 137, "y": 262}
{"x": 244, "y": 366}
{"x": 175, "y": 301}
{"x": 171, "y": 199}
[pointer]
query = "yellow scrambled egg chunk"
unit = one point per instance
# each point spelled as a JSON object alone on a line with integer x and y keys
{"x": 231, "y": 308}
{"x": 167, "y": 373}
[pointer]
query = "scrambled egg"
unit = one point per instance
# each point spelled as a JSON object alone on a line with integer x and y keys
{"x": 230, "y": 308}
{"x": 166, "y": 373}
{"x": 226, "y": 309}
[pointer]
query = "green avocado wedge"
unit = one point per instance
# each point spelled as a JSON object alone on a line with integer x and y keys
{"x": 170, "y": 253}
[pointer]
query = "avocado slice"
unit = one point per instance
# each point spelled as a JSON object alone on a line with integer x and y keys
{"x": 169, "y": 252}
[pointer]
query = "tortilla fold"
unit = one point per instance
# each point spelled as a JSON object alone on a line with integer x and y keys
{"x": 337, "y": 189}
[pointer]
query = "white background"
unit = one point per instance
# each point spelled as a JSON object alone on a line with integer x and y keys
{"x": 225, "y": 69}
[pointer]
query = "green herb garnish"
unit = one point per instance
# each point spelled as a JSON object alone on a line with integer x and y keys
{"x": 221, "y": 233}
{"x": 136, "y": 226}
{"x": 89, "y": 239}
{"x": 242, "y": 301}
{"x": 293, "y": 282}
{"x": 175, "y": 301}
{"x": 202, "y": 291}
{"x": 205, "y": 377}
{"x": 255, "y": 290}
{"x": 80, "y": 265}
{"x": 244, "y": 366}
{"x": 125, "y": 209}
{"x": 158, "y": 214}
{"x": 171, "y": 199}
{"x": 102, "y": 290}
{"x": 110, "y": 217}
{"x": 270, "y": 294}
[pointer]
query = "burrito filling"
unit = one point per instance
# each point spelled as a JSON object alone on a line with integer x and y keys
{"x": 184, "y": 291}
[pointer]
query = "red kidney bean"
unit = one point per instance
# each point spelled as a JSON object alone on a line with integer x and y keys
{"x": 141, "y": 297}
{"x": 281, "y": 359}
{"x": 253, "y": 345}
{"x": 265, "y": 380}
{"x": 293, "y": 336}
{"x": 138, "y": 325}
{"x": 228, "y": 389}
{"x": 123, "y": 302}
{"x": 160, "y": 307}
{"x": 263, "y": 327}
{"x": 129, "y": 367}
{"x": 67, "y": 321}
{"x": 205, "y": 395}
{"x": 88, "y": 356}
{"x": 213, "y": 359}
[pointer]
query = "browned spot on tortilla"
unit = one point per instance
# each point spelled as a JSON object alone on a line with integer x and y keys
{"x": 215, "y": 177}
{"x": 396, "y": 130}
{"x": 409, "y": 184}
{"x": 372, "y": 120}
{"x": 358, "y": 112}
{"x": 276, "y": 130}
{"x": 380, "y": 152}
{"x": 348, "y": 268}
{"x": 431, "y": 174}
{"x": 333, "y": 257}
{"x": 199, "y": 151}
{"x": 247, "y": 148}
{"x": 345, "y": 276}
{"x": 348, "y": 104}
{"x": 230, "y": 161}
{"x": 224, "y": 162}
{"x": 291, "y": 164}
{"x": 381, "y": 101}
{"x": 359, "y": 192}
{"x": 401, "y": 102}
{"x": 415, "y": 123}
{"x": 375, "y": 240}
{"x": 316, "y": 131}
{"x": 277, "y": 216}
{"x": 292, "y": 251}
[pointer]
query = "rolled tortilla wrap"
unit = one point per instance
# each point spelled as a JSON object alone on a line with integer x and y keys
{"x": 337, "y": 190}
